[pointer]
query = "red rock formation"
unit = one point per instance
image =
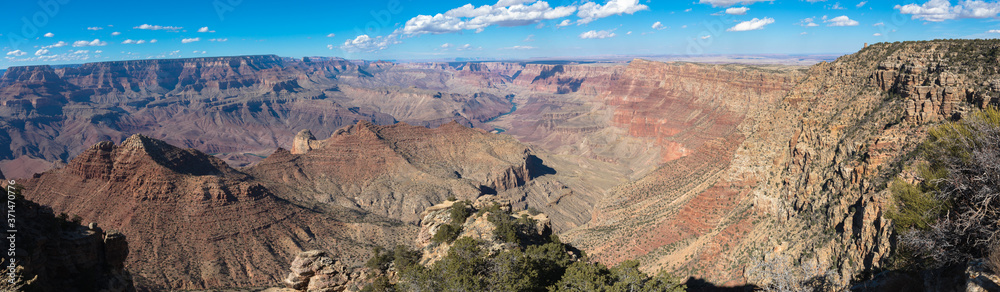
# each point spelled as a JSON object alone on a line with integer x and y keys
{"x": 192, "y": 221}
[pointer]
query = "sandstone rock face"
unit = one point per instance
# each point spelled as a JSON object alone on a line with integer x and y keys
{"x": 316, "y": 271}
{"x": 57, "y": 255}
{"x": 396, "y": 171}
{"x": 192, "y": 221}
{"x": 939, "y": 80}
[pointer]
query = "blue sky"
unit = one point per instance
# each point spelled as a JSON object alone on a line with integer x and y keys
{"x": 78, "y": 31}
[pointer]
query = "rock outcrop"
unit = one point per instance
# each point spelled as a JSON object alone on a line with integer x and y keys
{"x": 54, "y": 254}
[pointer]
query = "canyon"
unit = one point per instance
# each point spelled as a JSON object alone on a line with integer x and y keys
{"x": 697, "y": 169}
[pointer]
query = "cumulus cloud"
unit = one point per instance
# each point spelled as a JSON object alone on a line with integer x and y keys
{"x": 993, "y": 31}
{"x": 93, "y": 43}
{"x": 465, "y": 47}
{"x": 95, "y": 28}
{"x": 16, "y": 53}
{"x": 565, "y": 22}
{"x": 737, "y": 10}
{"x": 941, "y": 10}
{"x": 518, "y": 48}
{"x": 136, "y": 42}
{"x": 727, "y": 3}
{"x": 41, "y": 52}
{"x": 98, "y": 52}
{"x": 56, "y": 45}
{"x": 115, "y": 33}
{"x": 218, "y": 40}
{"x": 152, "y": 41}
{"x": 842, "y": 20}
{"x": 597, "y": 34}
{"x": 331, "y": 35}
{"x": 190, "y": 40}
{"x": 753, "y": 24}
{"x": 591, "y": 11}
{"x": 862, "y": 4}
{"x": 469, "y": 17}
{"x": 445, "y": 46}
{"x": 658, "y": 25}
{"x": 365, "y": 43}
{"x": 808, "y": 22}
{"x": 49, "y": 34}
{"x": 203, "y": 29}
{"x": 158, "y": 27}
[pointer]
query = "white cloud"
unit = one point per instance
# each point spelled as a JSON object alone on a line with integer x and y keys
{"x": 16, "y": 53}
{"x": 136, "y": 42}
{"x": 706, "y": 37}
{"x": 753, "y": 24}
{"x": 157, "y": 27}
{"x": 49, "y": 34}
{"x": 808, "y": 22}
{"x": 469, "y": 17}
{"x": 518, "y": 48}
{"x": 658, "y": 25}
{"x": 591, "y": 11}
{"x": 152, "y": 41}
{"x": 445, "y": 46}
{"x": 529, "y": 38}
{"x": 41, "y": 52}
{"x": 218, "y": 40}
{"x": 81, "y": 51}
{"x": 877, "y": 34}
{"x": 190, "y": 40}
{"x": 804, "y": 33}
{"x": 203, "y": 29}
{"x": 842, "y": 20}
{"x": 331, "y": 35}
{"x": 115, "y": 33}
{"x": 727, "y": 3}
{"x": 836, "y": 6}
{"x": 330, "y": 47}
{"x": 365, "y": 43}
{"x": 465, "y": 47}
{"x": 993, "y": 31}
{"x": 861, "y": 4}
{"x": 93, "y": 43}
{"x": 98, "y": 52}
{"x": 597, "y": 34}
{"x": 628, "y": 33}
{"x": 95, "y": 28}
{"x": 941, "y": 10}
{"x": 737, "y": 10}
{"x": 56, "y": 45}
{"x": 565, "y": 22}
{"x": 879, "y": 24}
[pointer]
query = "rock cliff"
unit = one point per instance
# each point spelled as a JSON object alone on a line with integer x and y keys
{"x": 59, "y": 255}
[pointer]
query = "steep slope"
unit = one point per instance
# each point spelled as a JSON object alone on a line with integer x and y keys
{"x": 58, "y": 255}
{"x": 192, "y": 221}
{"x": 803, "y": 175}
{"x": 395, "y": 171}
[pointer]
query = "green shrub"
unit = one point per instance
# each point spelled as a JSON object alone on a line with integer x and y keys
{"x": 446, "y": 233}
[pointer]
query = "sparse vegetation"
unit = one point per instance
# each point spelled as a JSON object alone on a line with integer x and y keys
{"x": 961, "y": 179}
{"x": 544, "y": 264}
